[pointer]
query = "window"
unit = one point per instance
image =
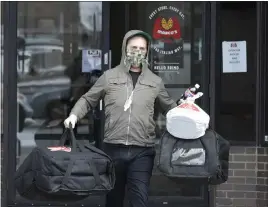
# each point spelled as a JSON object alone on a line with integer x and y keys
{"x": 236, "y": 120}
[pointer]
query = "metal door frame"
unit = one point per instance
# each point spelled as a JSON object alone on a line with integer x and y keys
{"x": 9, "y": 101}
{"x": 106, "y": 63}
{"x": 214, "y": 45}
{"x": 261, "y": 70}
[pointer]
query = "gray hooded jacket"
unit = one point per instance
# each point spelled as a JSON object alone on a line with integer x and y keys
{"x": 136, "y": 125}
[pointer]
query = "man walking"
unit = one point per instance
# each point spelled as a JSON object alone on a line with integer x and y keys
{"x": 130, "y": 92}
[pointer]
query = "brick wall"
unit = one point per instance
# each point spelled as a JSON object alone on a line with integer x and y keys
{"x": 248, "y": 179}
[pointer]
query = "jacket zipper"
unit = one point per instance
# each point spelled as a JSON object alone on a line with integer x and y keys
{"x": 128, "y": 124}
{"x": 129, "y": 111}
{"x": 129, "y": 116}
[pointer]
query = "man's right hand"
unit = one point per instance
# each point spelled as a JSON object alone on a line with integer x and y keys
{"x": 72, "y": 119}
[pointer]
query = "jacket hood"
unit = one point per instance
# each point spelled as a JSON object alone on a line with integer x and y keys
{"x": 128, "y": 35}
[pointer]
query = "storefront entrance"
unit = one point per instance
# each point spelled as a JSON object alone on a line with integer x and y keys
{"x": 63, "y": 47}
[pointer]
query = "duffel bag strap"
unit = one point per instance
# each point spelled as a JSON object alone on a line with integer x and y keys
{"x": 91, "y": 164}
{"x": 63, "y": 138}
{"x": 68, "y": 134}
{"x": 74, "y": 144}
{"x": 68, "y": 172}
{"x": 95, "y": 172}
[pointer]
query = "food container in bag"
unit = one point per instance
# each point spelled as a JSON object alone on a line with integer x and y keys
{"x": 187, "y": 121}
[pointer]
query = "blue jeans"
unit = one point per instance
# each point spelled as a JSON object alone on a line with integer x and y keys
{"x": 133, "y": 169}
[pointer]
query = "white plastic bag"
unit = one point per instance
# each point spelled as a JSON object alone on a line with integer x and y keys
{"x": 188, "y": 120}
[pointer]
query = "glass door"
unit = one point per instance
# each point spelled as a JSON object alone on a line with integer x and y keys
{"x": 177, "y": 29}
{"x": 62, "y": 48}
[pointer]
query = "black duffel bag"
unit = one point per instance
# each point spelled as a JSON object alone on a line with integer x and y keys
{"x": 64, "y": 173}
{"x": 206, "y": 157}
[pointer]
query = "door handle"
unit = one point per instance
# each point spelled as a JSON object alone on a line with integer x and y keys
{"x": 106, "y": 58}
{"x": 101, "y": 105}
{"x": 110, "y": 59}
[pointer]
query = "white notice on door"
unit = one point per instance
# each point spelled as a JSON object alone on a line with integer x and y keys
{"x": 234, "y": 57}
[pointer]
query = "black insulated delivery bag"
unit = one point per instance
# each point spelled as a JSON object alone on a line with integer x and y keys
{"x": 64, "y": 173}
{"x": 205, "y": 157}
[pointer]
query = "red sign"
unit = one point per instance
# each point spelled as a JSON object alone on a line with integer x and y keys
{"x": 65, "y": 149}
{"x": 166, "y": 28}
{"x": 189, "y": 106}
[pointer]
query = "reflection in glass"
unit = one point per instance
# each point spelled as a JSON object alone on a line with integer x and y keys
{"x": 51, "y": 38}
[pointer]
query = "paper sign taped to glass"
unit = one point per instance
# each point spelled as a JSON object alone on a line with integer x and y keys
{"x": 91, "y": 60}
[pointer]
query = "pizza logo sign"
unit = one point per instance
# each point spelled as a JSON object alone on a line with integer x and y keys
{"x": 166, "y": 21}
{"x": 167, "y": 24}
{"x": 166, "y": 28}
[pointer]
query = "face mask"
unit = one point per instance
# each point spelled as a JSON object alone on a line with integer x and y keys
{"x": 135, "y": 57}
